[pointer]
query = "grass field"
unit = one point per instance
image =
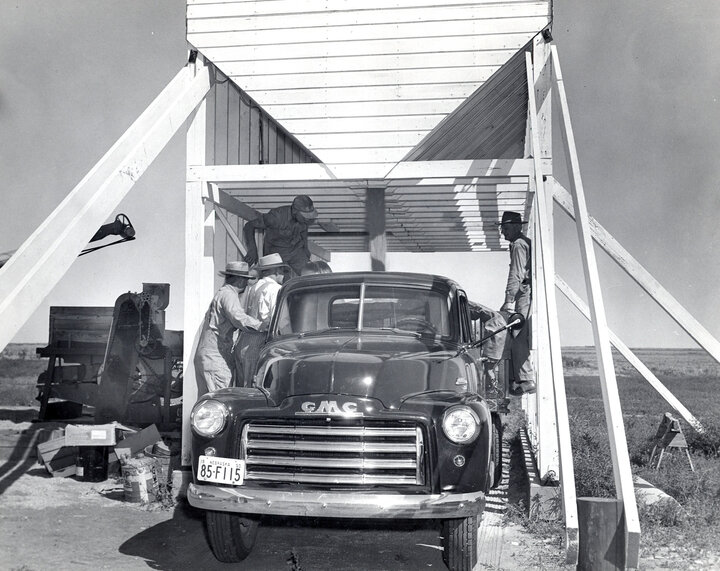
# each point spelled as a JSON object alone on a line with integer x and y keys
{"x": 694, "y": 378}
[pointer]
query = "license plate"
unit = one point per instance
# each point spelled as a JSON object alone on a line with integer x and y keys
{"x": 221, "y": 470}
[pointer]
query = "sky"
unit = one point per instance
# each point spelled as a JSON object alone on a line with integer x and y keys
{"x": 642, "y": 79}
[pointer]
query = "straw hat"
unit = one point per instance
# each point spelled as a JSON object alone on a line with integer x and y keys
{"x": 241, "y": 269}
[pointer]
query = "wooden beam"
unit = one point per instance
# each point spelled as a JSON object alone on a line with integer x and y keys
{"x": 643, "y": 278}
{"x": 48, "y": 253}
{"x": 199, "y": 269}
{"x": 567, "y": 471}
{"x": 613, "y": 409}
{"x": 298, "y": 172}
{"x": 230, "y": 232}
{"x": 375, "y": 222}
{"x": 632, "y": 358}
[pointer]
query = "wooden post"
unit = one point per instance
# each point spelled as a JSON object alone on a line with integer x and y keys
{"x": 199, "y": 270}
{"x": 602, "y": 534}
{"x": 375, "y": 222}
{"x": 611, "y": 399}
{"x": 567, "y": 471}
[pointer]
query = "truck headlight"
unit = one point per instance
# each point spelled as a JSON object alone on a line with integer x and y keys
{"x": 208, "y": 418}
{"x": 461, "y": 424}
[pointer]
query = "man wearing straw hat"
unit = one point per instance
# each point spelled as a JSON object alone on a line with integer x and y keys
{"x": 261, "y": 298}
{"x": 213, "y": 361}
{"x": 518, "y": 296}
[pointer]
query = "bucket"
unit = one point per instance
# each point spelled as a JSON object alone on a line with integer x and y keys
{"x": 92, "y": 463}
{"x": 140, "y": 480}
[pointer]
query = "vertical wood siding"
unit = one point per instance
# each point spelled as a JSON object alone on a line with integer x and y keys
{"x": 240, "y": 133}
{"x": 359, "y": 80}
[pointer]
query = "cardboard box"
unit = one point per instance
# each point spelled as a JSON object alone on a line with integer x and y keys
{"x": 58, "y": 459}
{"x": 90, "y": 435}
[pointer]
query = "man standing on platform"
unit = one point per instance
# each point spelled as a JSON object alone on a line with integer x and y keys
{"x": 518, "y": 296}
{"x": 213, "y": 361}
{"x": 286, "y": 233}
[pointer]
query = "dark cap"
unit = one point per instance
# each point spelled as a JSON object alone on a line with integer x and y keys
{"x": 512, "y": 218}
{"x": 304, "y": 205}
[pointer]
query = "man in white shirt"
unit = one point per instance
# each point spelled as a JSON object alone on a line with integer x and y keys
{"x": 213, "y": 359}
{"x": 261, "y": 299}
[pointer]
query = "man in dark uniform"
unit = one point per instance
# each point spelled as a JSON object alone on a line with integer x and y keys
{"x": 517, "y": 299}
{"x": 286, "y": 233}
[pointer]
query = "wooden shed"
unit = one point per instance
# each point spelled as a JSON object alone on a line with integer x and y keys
{"x": 413, "y": 124}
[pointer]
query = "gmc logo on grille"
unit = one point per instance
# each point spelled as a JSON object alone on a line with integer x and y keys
{"x": 329, "y": 407}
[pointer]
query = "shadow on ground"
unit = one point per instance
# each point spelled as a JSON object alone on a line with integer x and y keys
{"x": 307, "y": 543}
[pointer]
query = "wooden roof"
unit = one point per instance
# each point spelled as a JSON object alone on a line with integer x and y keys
{"x": 372, "y": 83}
{"x": 362, "y": 81}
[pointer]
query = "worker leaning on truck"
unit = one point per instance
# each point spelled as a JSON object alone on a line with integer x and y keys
{"x": 214, "y": 362}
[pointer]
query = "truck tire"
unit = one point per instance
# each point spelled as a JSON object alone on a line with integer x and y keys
{"x": 231, "y": 536}
{"x": 459, "y": 539}
{"x": 496, "y": 456}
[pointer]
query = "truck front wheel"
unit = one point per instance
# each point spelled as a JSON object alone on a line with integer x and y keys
{"x": 460, "y": 543}
{"x": 231, "y": 536}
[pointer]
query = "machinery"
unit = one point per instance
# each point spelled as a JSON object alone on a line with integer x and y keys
{"x": 121, "y": 361}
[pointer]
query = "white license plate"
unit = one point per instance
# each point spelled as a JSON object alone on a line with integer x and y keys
{"x": 221, "y": 470}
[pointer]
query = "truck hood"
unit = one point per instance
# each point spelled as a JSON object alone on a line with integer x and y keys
{"x": 381, "y": 366}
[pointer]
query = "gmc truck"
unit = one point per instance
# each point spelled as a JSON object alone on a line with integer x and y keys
{"x": 372, "y": 398}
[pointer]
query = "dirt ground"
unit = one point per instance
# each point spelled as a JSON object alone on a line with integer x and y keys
{"x": 63, "y": 523}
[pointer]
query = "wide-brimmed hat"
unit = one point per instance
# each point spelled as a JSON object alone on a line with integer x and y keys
{"x": 512, "y": 218}
{"x": 241, "y": 269}
{"x": 271, "y": 261}
{"x": 304, "y": 205}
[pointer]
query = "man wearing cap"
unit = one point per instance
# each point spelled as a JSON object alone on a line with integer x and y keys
{"x": 286, "y": 232}
{"x": 213, "y": 359}
{"x": 261, "y": 298}
{"x": 517, "y": 299}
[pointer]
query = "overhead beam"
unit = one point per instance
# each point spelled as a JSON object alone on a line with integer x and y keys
{"x": 411, "y": 170}
{"x": 643, "y": 278}
{"x": 613, "y": 409}
{"x": 42, "y": 260}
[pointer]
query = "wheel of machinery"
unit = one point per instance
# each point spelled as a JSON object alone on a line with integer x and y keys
{"x": 460, "y": 543}
{"x": 496, "y": 452}
{"x": 231, "y": 535}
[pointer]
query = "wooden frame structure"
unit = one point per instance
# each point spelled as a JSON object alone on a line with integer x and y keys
{"x": 428, "y": 192}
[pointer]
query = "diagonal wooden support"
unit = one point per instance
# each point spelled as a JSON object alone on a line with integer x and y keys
{"x": 632, "y": 358}
{"x": 567, "y": 471}
{"x": 611, "y": 399}
{"x": 643, "y": 278}
{"x": 39, "y": 264}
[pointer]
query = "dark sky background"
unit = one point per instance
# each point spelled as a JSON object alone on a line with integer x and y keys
{"x": 643, "y": 83}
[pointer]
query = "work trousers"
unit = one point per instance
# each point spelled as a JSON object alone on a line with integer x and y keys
{"x": 247, "y": 352}
{"x": 213, "y": 363}
{"x": 522, "y": 366}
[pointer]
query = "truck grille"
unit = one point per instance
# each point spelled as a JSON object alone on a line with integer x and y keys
{"x": 342, "y": 452}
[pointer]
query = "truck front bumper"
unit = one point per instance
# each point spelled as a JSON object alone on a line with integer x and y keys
{"x": 335, "y": 504}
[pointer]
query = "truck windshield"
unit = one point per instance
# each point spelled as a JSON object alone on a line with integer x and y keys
{"x": 318, "y": 309}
